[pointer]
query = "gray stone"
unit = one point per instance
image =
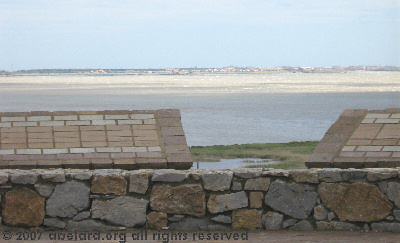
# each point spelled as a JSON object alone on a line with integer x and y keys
{"x": 386, "y": 227}
{"x": 331, "y": 215}
{"x": 303, "y": 225}
{"x": 54, "y": 176}
{"x": 236, "y": 186}
{"x": 23, "y": 177}
{"x": 376, "y": 175}
{"x": 353, "y": 175}
{"x": 54, "y": 222}
{"x": 81, "y": 216}
{"x": 320, "y": 212}
{"x": 247, "y": 173}
{"x": 169, "y": 175}
{"x": 276, "y": 173}
{"x": 272, "y": 221}
{"x": 390, "y": 218}
{"x": 309, "y": 176}
{"x": 3, "y": 178}
{"x": 383, "y": 186}
{"x": 222, "y": 219}
{"x": 92, "y": 196}
{"x": 176, "y": 218}
{"x": 337, "y": 226}
{"x": 195, "y": 175}
{"x": 68, "y": 199}
{"x": 289, "y": 222}
{"x": 87, "y": 225}
{"x": 226, "y": 202}
{"x": 393, "y": 193}
{"x": 82, "y": 175}
{"x": 190, "y": 223}
{"x": 257, "y": 184}
{"x": 125, "y": 211}
{"x": 217, "y": 181}
{"x": 396, "y": 214}
{"x": 44, "y": 189}
{"x": 366, "y": 228}
{"x": 183, "y": 199}
{"x": 138, "y": 182}
{"x": 293, "y": 199}
{"x": 328, "y": 175}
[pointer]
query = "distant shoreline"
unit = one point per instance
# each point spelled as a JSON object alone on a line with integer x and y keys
{"x": 197, "y": 71}
{"x": 165, "y": 74}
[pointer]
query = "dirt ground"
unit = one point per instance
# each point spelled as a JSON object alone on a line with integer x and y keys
{"x": 168, "y": 236}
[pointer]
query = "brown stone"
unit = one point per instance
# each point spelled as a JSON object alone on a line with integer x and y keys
{"x": 246, "y": 219}
{"x": 23, "y": 207}
{"x": 156, "y": 220}
{"x": 309, "y": 176}
{"x": 109, "y": 184}
{"x": 184, "y": 199}
{"x": 256, "y": 199}
{"x": 355, "y": 202}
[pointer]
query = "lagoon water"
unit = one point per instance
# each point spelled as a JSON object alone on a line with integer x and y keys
{"x": 231, "y": 163}
{"x": 216, "y": 109}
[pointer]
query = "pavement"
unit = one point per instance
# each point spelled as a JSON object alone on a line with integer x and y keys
{"x": 185, "y": 236}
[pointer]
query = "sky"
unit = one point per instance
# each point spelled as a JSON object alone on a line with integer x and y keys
{"x": 45, "y": 34}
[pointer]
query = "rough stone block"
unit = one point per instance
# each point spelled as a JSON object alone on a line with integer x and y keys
{"x": 217, "y": 181}
{"x": 256, "y": 199}
{"x": 156, "y": 220}
{"x": 272, "y": 220}
{"x": 184, "y": 199}
{"x": 138, "y": 182}
{"x": 109, "y": 184}
{"x": 226, "y": 202}
{"x": 125, "y": 211}
{"x": 23, "y": 207}
{"x": 295, "y": 200}
{"x": 246, "y": 219}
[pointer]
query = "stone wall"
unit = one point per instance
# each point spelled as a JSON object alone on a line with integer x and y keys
{"x": 119, "y": 139}
{"x": 240, "y": 199}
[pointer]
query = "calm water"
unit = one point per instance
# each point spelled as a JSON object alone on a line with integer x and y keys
{"x": 225, "y": 109}
{"x": 231, "y": 163}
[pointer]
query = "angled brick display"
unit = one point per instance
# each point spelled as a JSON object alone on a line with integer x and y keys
{"x": 93, "y": 140}
{"x": 360, "y": 138}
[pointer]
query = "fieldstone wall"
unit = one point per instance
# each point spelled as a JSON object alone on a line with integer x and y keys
{"x": 240, "y": 199}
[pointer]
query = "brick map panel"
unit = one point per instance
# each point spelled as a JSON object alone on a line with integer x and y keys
{"x": 93, "y": 139}
{"x": 360, "y": 138}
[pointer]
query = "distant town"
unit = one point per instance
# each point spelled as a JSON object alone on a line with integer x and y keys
{"x": 197, "y": 71}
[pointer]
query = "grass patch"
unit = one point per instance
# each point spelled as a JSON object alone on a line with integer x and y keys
{"x": 290, "y": 155}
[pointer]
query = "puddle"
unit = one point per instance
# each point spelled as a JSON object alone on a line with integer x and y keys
{"x": 231, "y": 163}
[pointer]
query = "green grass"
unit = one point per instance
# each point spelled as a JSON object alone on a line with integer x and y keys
{"x": 290, "y": 155}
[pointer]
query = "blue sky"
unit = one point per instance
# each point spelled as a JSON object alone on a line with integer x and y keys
{"x": 205, "y": 33}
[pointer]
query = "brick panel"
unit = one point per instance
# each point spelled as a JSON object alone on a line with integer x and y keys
{"x": 373, "y": 141}
{"x": 93, "y": 139}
